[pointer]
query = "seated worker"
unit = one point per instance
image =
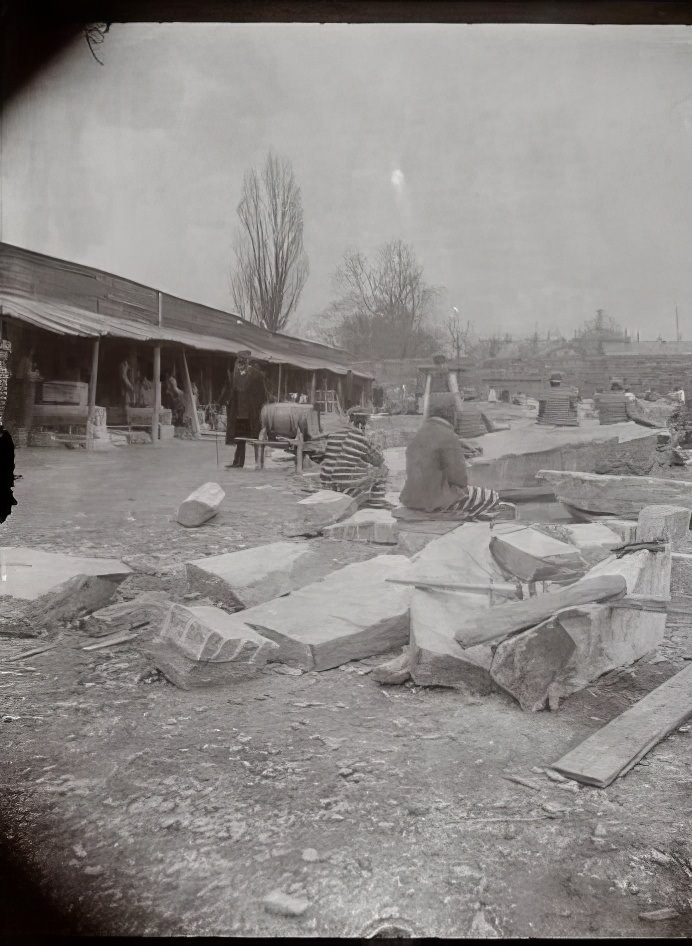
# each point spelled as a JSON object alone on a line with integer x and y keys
{"x": 353, "y": 465}
{"x": 436, "y": 476}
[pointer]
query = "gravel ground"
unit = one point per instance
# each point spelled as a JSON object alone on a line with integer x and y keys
{"x": 143, "y": 809}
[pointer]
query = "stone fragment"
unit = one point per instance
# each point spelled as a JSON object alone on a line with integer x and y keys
{"x": 283, "y": 904}
{"x": 351, "y": 614}
{"x": 367, "y": 525}
{"x": 436, "y": 657}
{"x": 618, "y": 496}
{"x": 251, "y": 576}
{"x": 395, "y": 671}
{"x": 200, "y": 506}
{"x": 625, "y": 528}
{"x": 320, "y": 509}
{"x": 670, "y": 523}
{"x": 200, "y": 646}
{"x": 658, "y": 916}
{"x": 144, "y": 609}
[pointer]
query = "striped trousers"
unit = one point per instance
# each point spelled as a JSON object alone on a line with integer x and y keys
{"x": 478, "y": 503}
{"x": 368, "y": 490}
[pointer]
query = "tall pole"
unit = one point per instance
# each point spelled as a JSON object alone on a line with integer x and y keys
{"x": 191, "y": 399}
{"x": 278, "y": 397}
{"x": 156, "y": 412}
{"x": 93, "y": 377}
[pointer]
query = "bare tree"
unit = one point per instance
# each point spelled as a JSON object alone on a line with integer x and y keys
{"x": 271, "y": 266}
{"x": 459, "y": 335}
{"x": 383, "y": 304}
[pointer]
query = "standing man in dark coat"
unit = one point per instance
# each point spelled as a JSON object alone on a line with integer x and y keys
{"x": 7, "y": 500}
{"x": 246, "y": 395}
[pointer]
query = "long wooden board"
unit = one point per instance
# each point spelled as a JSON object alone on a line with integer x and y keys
{"x": 617, "y": 747}
{"x": 505, "y": 619}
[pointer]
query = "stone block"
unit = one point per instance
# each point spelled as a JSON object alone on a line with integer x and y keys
{"x": 349, "y": 615}
{"x": 203, "y": 646}
{"x": 252, "y": 576}
{"x": 625, "y": 528}
{"x": 436, "y": 657}
{"x": 200, "y": 506}
{"x": 317, "y": 511}
{"x": 367, "y": 525}
{"x": 531, "y": 555}
{"x": 144, "y": 609}
{"x": 670, "y": 523}
{"x": 540, "y": 666}
{"x": 594, "y": 540}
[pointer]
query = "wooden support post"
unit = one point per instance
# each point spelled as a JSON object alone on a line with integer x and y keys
{"x": 156, "y": 412}
{"x": 426, "y": 395}
{"x": 93, "y": 379}
{"x": 278, "y": 392}
{"x": 191, "y": 399}
{"x": 313, "y": 388}
{"x": 299, "y": 453}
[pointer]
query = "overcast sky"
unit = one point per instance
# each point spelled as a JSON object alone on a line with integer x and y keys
{"x": 540, "y": 172}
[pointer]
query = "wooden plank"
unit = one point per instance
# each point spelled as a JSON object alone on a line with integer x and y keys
{"x": 500, "y": 622}
{"x": 500, "y": 588}
{"x": 526, "y": 494}
{"x": 617, "y": 747}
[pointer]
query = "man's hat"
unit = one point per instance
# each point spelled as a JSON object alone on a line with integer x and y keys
{"x": 246, "y": 353}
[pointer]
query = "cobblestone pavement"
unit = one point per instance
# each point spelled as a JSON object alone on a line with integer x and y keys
{"x": 144, "y": 809}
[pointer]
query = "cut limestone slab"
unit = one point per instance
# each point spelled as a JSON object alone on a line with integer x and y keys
{"x": 594, "y": 540}
{"x": 671, "y": 523}
{"x": 462, "y": 554}
{"x": 126, "y": 615}
{"x": 200, "y": 646}
{"x": 320, "y": 509}
{"x": 531, "y": 555}
{"x": 351, "y": 614}
{"x": 39, "y": 589}
{"x": 539, "y": 666}
{"x": 367, "y": 525}
{"x": 200, "y": 506}
{"x": 623, "y": 496}
{"x": 252, "y": 576}
{"x": 436, "y": 657}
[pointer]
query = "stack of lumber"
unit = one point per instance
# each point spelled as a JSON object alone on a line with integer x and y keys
{"x": 559, "y": 409}
{"x": 612, "y": 407}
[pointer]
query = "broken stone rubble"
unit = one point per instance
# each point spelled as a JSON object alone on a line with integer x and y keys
{"x": 376, "y": 526}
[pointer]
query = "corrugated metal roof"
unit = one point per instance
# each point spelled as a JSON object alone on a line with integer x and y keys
{"x": 64, "y": 319}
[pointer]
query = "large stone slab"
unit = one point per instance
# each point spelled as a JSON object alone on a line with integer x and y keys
{"x": 531, "y": 555}
{"x": 204, "y": 646}
{"x": 40, "y": 589}
{"x": 376, "y": 526}
{"x": 539, "y": 666}
{"x": 252, "y": 576}
{"x": 351, "y": 614}
{"x": 200, "y": 506}
{"x": 461, "y": 555}
{"x": 436, "y": 659}
{"x": 620, "y": 496}
{"x": 320, "y": 509}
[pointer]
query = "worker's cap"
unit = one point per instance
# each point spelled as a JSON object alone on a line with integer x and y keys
{"x": 246, "y": 353}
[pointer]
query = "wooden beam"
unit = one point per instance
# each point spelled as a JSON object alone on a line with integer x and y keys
{"x": 426, "y": 395}
{"x": 191, "y": 398}
{"x": 156, "y": 412}
{"x": 617, "y": 747}
{"x": 507, "y": 619}
{"x": 498, "y": 587}
{"x": 93, "y": 377}
{"x": 313, "y": 387}
{"x": 278, "y": 393}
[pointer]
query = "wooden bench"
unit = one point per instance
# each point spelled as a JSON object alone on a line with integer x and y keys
{"x": 301, "y": 447}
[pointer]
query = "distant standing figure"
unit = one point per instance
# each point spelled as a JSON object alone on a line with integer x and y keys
{"x": 245, "y": 395}
{"x": 127, "y": 388}
{"x": 492, "y": 396}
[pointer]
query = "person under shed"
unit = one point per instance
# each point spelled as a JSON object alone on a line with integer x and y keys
{"x": 353, "y": 465}
{"x": 245, "y": 394}
{"x": 437, "y": 485}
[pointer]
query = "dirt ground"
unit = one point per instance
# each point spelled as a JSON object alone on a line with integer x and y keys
{"x": 144, "y": 809}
